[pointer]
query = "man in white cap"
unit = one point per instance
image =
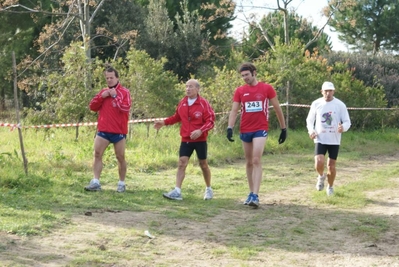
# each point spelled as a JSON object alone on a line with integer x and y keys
{"x": 328, "y": 118}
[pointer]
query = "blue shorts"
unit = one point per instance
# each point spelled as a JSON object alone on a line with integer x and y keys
{"x": 247, "y": 137}
{"x": 111, "y": 137}
{"x": 187, "y": 149}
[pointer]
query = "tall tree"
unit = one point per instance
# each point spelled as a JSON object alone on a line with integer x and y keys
{"x": 18, "y": 31}
{"x": 115, "y": 29}
{"x": 367, "y": 25}
{"x": 170, "y": 22}
{"x": 182, "y": 42}
{"x": 263, "y": 36}
{"x": 215, "y": 15}
{"x": 158, "y": 34}
{"x": 106, "y": 30}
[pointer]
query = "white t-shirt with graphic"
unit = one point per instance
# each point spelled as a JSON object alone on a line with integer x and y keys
{"x": 323, "y": 119}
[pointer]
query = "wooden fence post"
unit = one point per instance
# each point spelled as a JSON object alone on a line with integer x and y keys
{"x": 21, "y": 141}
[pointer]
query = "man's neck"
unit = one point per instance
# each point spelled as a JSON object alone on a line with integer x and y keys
{"x": 254, "y": 83}
{"x": 112, "y": 87}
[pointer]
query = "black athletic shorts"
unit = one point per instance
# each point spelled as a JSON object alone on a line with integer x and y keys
{"x": 187, "y": 149}
{"x": 332, "y": 150}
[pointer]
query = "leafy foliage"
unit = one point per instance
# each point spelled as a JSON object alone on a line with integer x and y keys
{"x": 354, "y": 93}
{"x": 18, "y": 31}
{"x": 286, "y": 69}
{"x": 368, "y": 25}
{"x": 373, "y": 71}
{"x": 190, "y": 34}
{"x": 153, "y": 90}
{"x": 186, "y": 45}
{"x": 219, "y": 91}
{"x": 116, "y": 29}
{"x": 65, "y": 97}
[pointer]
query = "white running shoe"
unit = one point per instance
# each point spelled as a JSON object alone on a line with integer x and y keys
{"x": 174, "y": 195}
{"x": 121, "y": 188}
{"x": 330, "y": 191}
{"x": 208, "y": 194}
{"x": 320, "y": 182}
{"x": 93, "y": 186}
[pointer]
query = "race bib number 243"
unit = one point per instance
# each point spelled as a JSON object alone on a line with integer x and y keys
{"x": 253, "y": 106}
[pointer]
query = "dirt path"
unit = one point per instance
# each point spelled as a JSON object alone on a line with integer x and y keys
{"x": 179, "y": 243}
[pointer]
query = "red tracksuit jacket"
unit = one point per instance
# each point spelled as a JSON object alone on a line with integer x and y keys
{"x": 113, "y": 113}
{"x": 199, "y": 115}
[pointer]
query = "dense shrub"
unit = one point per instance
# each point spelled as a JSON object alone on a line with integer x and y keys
{"x": 373, "y": 71}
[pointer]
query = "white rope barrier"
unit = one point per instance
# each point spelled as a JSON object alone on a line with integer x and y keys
{"x": 61, "y": 125}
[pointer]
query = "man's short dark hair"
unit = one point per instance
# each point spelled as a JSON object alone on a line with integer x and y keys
{"x": 111, "y": 69}
{"x": 247, "y": 66}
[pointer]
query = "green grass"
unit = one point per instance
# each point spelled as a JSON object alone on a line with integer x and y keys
{"x": 59, "y": 167}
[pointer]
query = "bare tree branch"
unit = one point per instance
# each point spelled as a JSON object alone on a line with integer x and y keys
{"x": 266, "y": 36}
{"x": 96, "y": 10}
{"x": 30, "y": 10}
{"x": 286, "y": 23}
{"x": 321, "y": 30}
{"x": 47, "y": 49}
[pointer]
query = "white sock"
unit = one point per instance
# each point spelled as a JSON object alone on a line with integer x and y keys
{"x": 209, "y": 188}
{"x": 96, "y": 181}
{"x": 178, "y": 190}
{"x": 121, "y": 182}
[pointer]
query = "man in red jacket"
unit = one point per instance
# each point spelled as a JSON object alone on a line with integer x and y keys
{"x": 113, "y": 106}
{"x": 196, "y": 117}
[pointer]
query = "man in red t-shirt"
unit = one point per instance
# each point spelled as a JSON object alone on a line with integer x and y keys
{"x": 196, "y": 118}
{"x": 253, "y": 98}
{"x": 113, "y": 106}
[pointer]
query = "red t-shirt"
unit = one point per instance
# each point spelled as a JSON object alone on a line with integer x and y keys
{"x": 254, "y": 102}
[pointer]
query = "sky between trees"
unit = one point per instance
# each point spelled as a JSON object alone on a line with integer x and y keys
{"x": 309, "y": 9}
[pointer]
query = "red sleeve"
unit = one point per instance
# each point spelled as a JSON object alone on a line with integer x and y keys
{"x": 175, "y": 118}
{"x": 123, "y": 101}
{"x": 209, "y": 116}
{"x": 97, "y": 101}
{"x": 237, "y": 95}
{"x": 271, "y": 91}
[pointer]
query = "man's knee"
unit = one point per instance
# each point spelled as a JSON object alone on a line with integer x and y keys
{"x": 203, "y": 164}
{"x": 97, "y": 154}
{"x": 120, "y": 157}
{"x": 256, "y": 161}
{"x": 182, "y": 162}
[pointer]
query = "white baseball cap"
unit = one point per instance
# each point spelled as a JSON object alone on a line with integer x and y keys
{"x": 327, "y": 86}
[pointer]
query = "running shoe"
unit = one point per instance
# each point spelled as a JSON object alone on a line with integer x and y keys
{"x": 93, "y": 186}
{"x": 121, "y": 188}
{"x": 330, "y": 191}
{"x": 320, "y": 182}
{"x": 174, "y": 195}
{"x": 254, "y": 202}
{"x": 208, "y": 194}
{"x": 246, "y": 202}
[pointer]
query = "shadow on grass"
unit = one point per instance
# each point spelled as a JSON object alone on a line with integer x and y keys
{"x": 228, "y": 223}
{"x": 76, "y": 224}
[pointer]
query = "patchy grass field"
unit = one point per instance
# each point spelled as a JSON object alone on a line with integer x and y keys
{"x": 46, "y": 219}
